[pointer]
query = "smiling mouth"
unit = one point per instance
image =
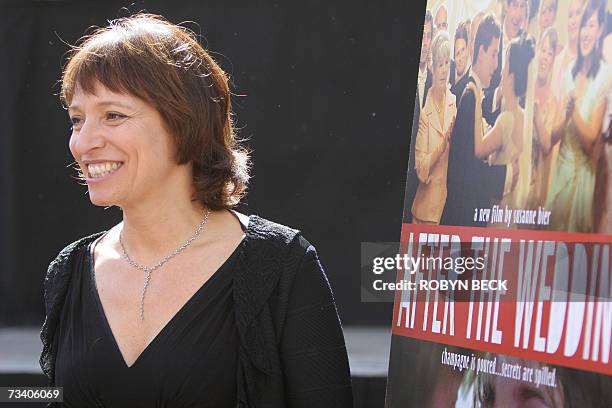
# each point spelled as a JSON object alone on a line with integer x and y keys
{"x": 99, "y": 170}
{"x": 586, "y": 46}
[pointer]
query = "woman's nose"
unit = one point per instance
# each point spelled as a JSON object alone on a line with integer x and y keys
{"x": 88, "y": 137}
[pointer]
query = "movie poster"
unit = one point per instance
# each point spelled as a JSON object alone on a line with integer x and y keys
{"x": 506, "y": 300}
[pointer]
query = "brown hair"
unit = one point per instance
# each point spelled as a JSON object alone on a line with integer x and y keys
{"x": 462, "y": 31}
{"x": 593, "y": 7}
{"x": 164, "y": 65}
{"x": 428, "y": 20}
{"x": 553, "y": 37}
{"x": 488, "y": 29}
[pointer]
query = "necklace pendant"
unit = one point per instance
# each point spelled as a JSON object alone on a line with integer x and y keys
{"x": 148, "y": 269}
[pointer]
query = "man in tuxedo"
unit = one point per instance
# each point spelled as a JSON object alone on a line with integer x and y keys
{"x": 460, "y": 65}
{"x": 473, "y": 184}
{"x": 515, "y": 16}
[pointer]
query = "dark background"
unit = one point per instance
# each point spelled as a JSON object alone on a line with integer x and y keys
{"x": 328, "y": 90}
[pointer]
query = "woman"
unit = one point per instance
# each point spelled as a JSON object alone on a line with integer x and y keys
{"x": 586, "y": 84}
{"x": 547, "y": 15}
{"x": 185, "y": 302}
{"x": 567, "y": 55}
{"x": 545, "y": 114}
{"x": 431, "y": 147}
{"x": 503, "y": 143}
{"x": 602, "y": 196}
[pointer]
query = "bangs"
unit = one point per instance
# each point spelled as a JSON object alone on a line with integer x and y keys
{"x": 121, "y": 62}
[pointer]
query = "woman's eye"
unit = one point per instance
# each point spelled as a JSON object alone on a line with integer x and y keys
{"x": 115, "y": 116}
{"x": 75, "y": 121}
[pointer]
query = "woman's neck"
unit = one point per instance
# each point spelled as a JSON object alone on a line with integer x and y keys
{"x": 153, "y": 230}
{"x": 156, "y": 223}
{"x": 510, "y": 101}
{"x": 542, "y": 91}
{"x": 572, "y": 48}
{"x": 542, "y": 88}
{"x": 438, "y": 93}
{"x": 542, "y": 82}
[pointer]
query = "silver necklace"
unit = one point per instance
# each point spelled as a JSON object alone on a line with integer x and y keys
{"x": 149, "y": 269}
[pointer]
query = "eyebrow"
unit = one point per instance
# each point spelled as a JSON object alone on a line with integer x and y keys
{"x": 102, "y": 104}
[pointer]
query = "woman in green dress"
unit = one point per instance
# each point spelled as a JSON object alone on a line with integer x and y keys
{"x": 570, "y": 197}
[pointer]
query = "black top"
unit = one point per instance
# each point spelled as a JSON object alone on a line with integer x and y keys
{"x": 291, "y": 351}
{"x": 190, "y": 363}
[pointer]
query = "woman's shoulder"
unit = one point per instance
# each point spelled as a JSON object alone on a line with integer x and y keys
{"x": 263, "y": 234}
{"x": 602, "y": 80}
{"x": 272, "y": 257}
{"x": 603, "y": 73}
{"x": 68, "y": 252}
{"x": 506, "y": 121}
{"x": 60, "y": 268}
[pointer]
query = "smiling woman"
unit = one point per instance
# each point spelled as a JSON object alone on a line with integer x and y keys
{"x": 186, "y": 302}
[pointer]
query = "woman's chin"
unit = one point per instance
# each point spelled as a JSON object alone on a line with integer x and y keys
{"x": 101, "y": 200}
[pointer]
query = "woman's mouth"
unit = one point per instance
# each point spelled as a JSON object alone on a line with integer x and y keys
{"x": 586, "y": 44}
{"x": 99, "y": 170}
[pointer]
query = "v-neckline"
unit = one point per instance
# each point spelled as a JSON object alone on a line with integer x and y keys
{"x": 169, "y": 323}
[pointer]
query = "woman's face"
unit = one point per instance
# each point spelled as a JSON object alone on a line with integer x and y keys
{"x": 573, "y": 19}
{"x": 121, "y": 146}
{"x": 547, "y": 15}
{"x": 441, "y": 68}
{"x": 589, "y": 35}
{"x": 546, "y": 59}
{"x": 460, "y": 56}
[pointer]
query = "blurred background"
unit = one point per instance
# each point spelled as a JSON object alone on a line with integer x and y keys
{"x": 324, "y": 94}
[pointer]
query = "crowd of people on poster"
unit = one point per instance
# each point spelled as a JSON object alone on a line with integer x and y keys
{"x": 513, "y": 111}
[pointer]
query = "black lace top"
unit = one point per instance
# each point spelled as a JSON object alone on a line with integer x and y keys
{"x": 291, "y": 350}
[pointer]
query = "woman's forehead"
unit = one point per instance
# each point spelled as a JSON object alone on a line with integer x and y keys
{"x": 100, "y": 95}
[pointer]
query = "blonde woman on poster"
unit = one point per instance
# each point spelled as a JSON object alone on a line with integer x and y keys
{"x": 503, "y": 143}
{"x": 545, "y": 114}
{"x": 432, "y": 141}
{"x": 570, "y": 198}
{"x": 567, "y": 55}
{"x": 603, "y": 180}
{"x": 547, "y": 15}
